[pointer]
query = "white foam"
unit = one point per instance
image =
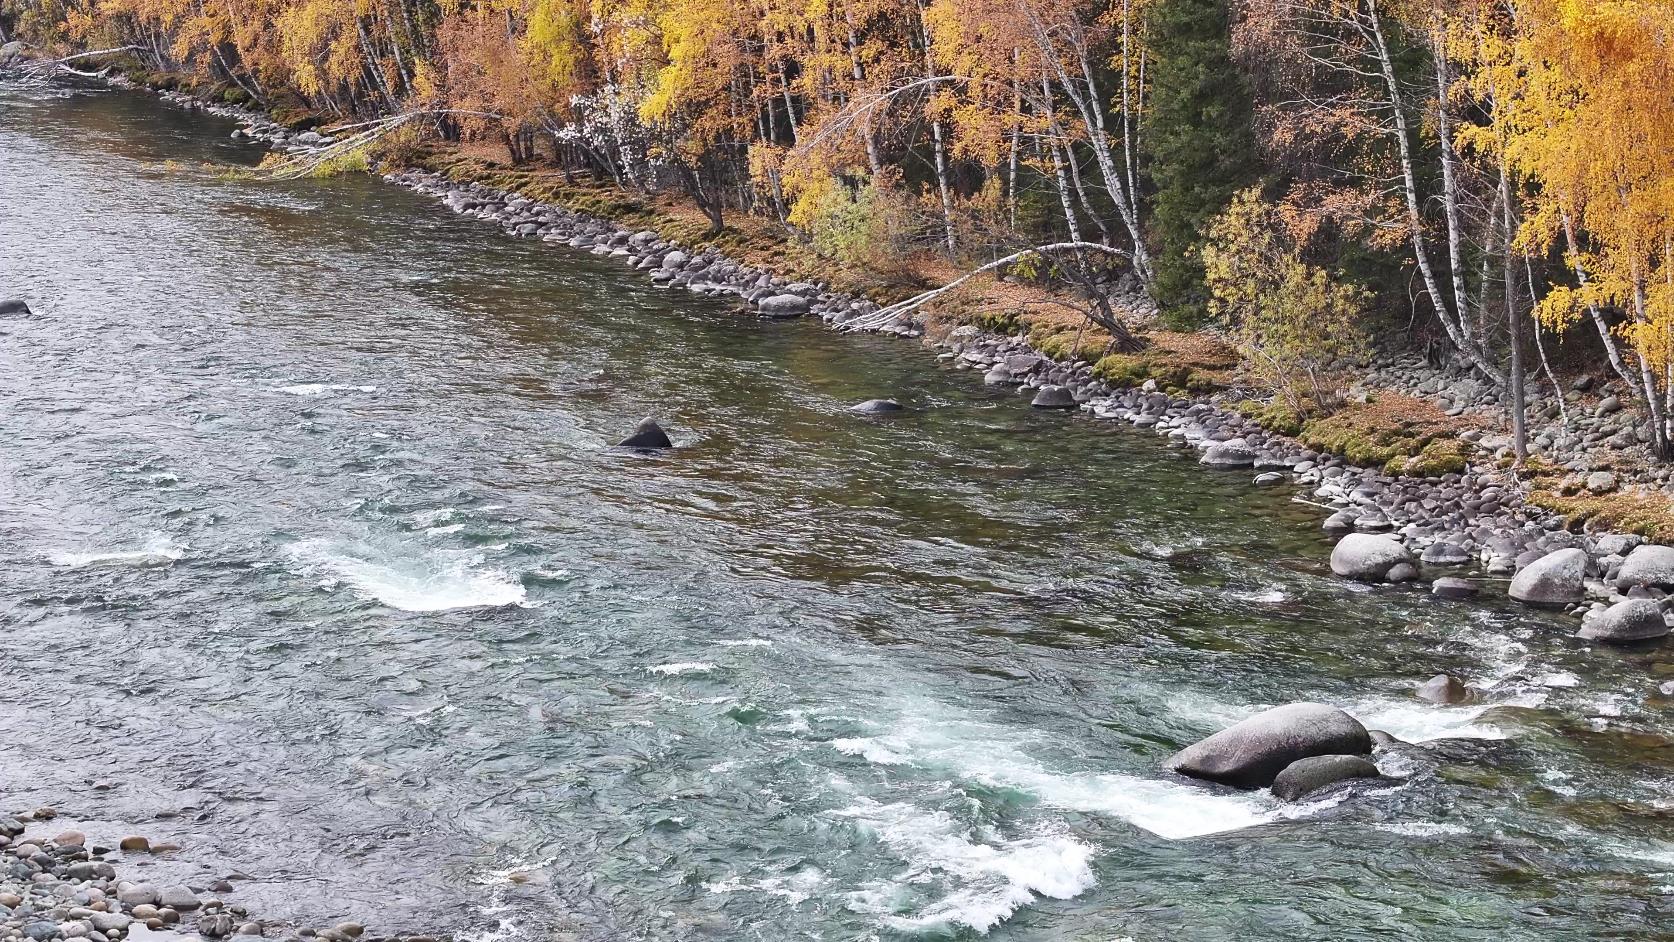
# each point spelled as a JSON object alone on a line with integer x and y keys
{"x": 990, "y": 756}
{"x": 158, "y": 551}
{"x": 746, "y": 643}
{"x": 1269, "y": 596}
{"x": 430, "y": 582}
{"x": 987, "y": 878}
{"x": 312, "y": 390}
{"x": 684, "y": 667}
{"x": 1559, "y": 679}
{"x": 1420, "y": 722}
{"x": 796, "y": 888}
{"x": 1422, "y": 828}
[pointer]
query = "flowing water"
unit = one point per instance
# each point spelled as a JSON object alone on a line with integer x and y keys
{"x": 315, "y": 559}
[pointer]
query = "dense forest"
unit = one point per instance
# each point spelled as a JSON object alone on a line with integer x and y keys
{"x": 1493, "y": 176}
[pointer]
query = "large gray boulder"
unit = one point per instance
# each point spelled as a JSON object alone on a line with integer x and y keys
{"x": 1625, "y": 622}
{"x": 1249, "y": 754}
{"x": 1554, "y": 579}
{"x": 784, "y": 306}
{"x": 1305, "y": 776}
{"x": 1368, "y": 557}
{"x": 876, "y": 407}
{"x": 1650, "y": 565}
{"x": 1443, "y": 688}
{"x": 1229, "y": 454}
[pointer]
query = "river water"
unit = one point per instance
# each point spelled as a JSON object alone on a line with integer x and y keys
{"x": 314, "y": 558}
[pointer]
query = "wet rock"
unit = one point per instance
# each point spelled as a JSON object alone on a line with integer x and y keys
{"x": 783, "y": 306}
{"x": 1382, "y": 739}
{"x": 1453, "y": 587}
{"x": 876, "y": 407}
{"x": 70, "y": 839}
{"x": 998, "y": 376}
{"x": 1340, "y": 523}
{"x": 648, "y": 434}
{"x": 1402, "y": 572}
{"x": 215, "y": 925}
{"x": 1270, "y": 478}
{"x": 250, "y": 928}
{"x": 1251, "y": 753}
{"x": 1445, "y": 554}
{"x": 134, "y": 842}
{"x": 1229, "y": 454}
{"x": 140, "y": 894}
{"x": 1305, "y": 776}
{"x": 179, "y": 898}
{"x": 1556, "y": 578}
{"x": 110, "y": 922}
{"x": 12, "y": 307}
{"x": 1368, "y": 557}
{"x": 1053, "y": 397}
{"x": 1649, "y": 565}
{"x": 1625, "y": 622}
{"x": 1444, "y": 689}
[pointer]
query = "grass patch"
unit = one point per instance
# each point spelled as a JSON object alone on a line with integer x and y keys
{"x": 1649, "y": 515}
{"x": 1400, "y": 434}
{"x": 1180, "y": 363}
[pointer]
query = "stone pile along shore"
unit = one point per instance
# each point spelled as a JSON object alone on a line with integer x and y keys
{"x": 1449, "y": 532}
{"x": 63, "y": 887}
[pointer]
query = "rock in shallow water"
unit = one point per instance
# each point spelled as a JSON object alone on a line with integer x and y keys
{"x": 13, "y": 306}
{"x": 1556, "y": 578}
{"x": 1229, "y": 454}
{"x": 1053, "y": 397}
{"x": 784, "y": 306}
{"x": 876, "y": 407}
{"x": 1368, "y": 557}
{"x": 648, "y": 434}
{"x": 1309, "y": 775}
{"x": 1251, "y": 753}
{"x": 1625, "y": 622}
{"x": 1443, "y": 688}
{"x": 1650, "y": 565}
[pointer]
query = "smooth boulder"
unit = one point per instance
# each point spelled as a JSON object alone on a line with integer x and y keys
{"x": 1625, "y": 622}
{"x": 1649, "y": 565}
{"x": 784, "y": 306}
{"x": 1368, "y": 557}
{"x": 1556, "y": 578}
{"x": 1443, "y": 689}
{"x": 1053, "y": 397}
{"x": 13, "y": 306}
{"x": 1305, "y": 776}
{"x": 648, "y": 434}
{"x": 1229, "y": 454}
{"x": 1444, "y": 553}
{"x": 876, "y": 407}
{"x": 1453, "y": 587}
{"x": 1251, "y": 753}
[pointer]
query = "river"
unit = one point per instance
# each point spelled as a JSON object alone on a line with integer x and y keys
{"x": 315, "y": 558}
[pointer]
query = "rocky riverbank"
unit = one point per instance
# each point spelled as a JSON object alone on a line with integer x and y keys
{"x": 1460, "y": 532}
{"x": 57, "y": 884}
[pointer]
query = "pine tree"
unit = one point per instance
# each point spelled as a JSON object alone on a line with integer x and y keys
{"x": 1199, "y": 142}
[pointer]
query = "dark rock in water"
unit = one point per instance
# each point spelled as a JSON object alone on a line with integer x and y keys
{"x": 1053, "y": 397}
{"x": 1625, "y": 622}
{"x": 1402, "y": 572}
{"x": 876, "y": 407}
{"x": 1649, "y": 565}
{"x": 1382, "y": 739}
{"x": 13, "y": 306}
{"x": 1270, "y": 478}
{"x": 1340, "y": 523}
{"x": 1309, "y": 775}
{"x": 1368, "y": 557}
{"x": 1554, "y": 579}
{"x": 1251, "y": 753}
{"x": 648, "y": 434}
{"x": 1453, "y": 588}
{"x": 1443, "y": 688}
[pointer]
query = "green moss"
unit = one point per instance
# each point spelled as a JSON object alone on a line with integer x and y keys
{"x": 1400, "y": 434}
{"x": 1649, "y": 515}
{"x": 235, "y": 96}
{"x": 1274, "y": 416}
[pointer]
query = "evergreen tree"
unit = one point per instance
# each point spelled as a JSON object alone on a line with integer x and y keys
{"x": 1200, "y": 144}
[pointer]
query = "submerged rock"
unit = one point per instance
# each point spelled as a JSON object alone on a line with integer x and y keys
{"x": 1556, "y": 578}
{"x": 1251, "y": 753}
{"x": 1625, "y": 622}
{"x": 1368, "y": 557}
{"x": 876, "y": 407}
{"x": 1444, "y": 689}
{"x": 1053, "y": 397}
{"x": 1649, "y": 565}
{"x": 1453, "y": 587}
{"x": 648, "y": 434}
{"x": 1305, "y": 776}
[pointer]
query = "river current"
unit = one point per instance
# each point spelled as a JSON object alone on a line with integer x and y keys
{"x": 315, "y": 559}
